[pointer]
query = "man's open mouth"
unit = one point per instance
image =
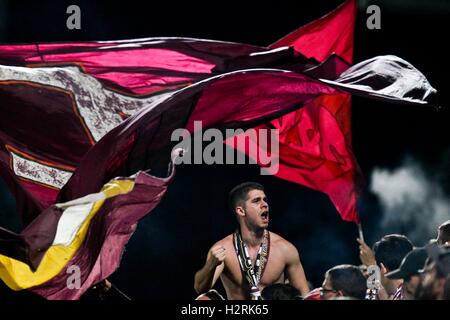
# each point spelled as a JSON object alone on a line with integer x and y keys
{"x": 265, "y": 215}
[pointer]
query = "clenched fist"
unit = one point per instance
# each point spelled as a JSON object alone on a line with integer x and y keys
{"x": 366, "y": 254}
{"x": 218, "y": 254}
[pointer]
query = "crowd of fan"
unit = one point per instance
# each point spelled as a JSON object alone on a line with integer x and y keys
{"x": 393, "y": 269}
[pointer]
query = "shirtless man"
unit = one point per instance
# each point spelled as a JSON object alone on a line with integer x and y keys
{"x": 277, "y": 258}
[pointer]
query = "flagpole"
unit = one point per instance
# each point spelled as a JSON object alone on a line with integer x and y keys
{"x": 360, "y": 231}
{"x": 120, "y": 292}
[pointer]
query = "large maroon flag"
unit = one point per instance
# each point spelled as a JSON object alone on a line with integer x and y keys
{"x": 67, "y": 96}
{"x": 151, "y": 67}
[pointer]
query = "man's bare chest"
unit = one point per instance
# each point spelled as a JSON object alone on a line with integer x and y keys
{"x": 273, "y": 270}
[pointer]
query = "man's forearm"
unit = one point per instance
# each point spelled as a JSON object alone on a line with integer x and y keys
{"x": 204, "y": 278}
{"x": 303, "y": 288}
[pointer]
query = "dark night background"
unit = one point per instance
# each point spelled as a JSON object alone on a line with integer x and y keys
{"x": 404, "y": 152}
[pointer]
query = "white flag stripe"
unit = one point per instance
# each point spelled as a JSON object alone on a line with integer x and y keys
{"x": 70, "y": 222}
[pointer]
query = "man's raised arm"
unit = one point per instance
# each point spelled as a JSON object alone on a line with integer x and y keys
{"x": 207, "y": 276}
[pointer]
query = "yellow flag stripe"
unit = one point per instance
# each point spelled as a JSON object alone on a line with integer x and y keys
{"x": 18, "y": 275}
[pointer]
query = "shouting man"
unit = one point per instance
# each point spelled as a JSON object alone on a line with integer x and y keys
{"x": 252, "y": 257}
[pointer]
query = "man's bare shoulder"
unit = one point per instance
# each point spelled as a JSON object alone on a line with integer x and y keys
{"x": 226, "y": 242}
{"x": 283, "y": 244}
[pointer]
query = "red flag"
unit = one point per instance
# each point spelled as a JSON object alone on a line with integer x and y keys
{"x": 315, "y": 141}
{"x": 322, "y": 37}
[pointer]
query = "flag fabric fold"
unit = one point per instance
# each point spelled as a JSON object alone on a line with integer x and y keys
{"x": 378, "y": 78}
{"x": 70, "y": 95}
{"x": 332, "y": 33}
{"x": 86, "y": 234}
{"x": 315, "y": 141}
{"x": 131, "y": 74}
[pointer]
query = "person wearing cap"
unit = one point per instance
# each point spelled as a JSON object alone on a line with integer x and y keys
{"x": 409, "y": 271}
{"x": 433, "y": 276}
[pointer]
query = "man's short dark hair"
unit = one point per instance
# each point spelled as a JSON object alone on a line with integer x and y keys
{"x": 280, "y": 291}
{"x": 349, "y": 279}
{"x": 444, "y": 234}
{"x": 239, "y": 194}
{"x": 391, "y": 250}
